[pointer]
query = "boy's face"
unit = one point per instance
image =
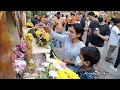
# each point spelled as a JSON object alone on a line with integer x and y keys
{"x": 85, "y": 63}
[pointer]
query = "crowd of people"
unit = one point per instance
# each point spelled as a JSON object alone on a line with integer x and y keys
{"x": 67, "y": 31}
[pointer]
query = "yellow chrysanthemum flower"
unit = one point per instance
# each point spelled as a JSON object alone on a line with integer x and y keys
{"x": 61, "y": 74}
{"x": 46, "y": 37}
{"x": 29, "y": 24}
{"x": 71, "y": 74}
{"x": 30, "y": 36}
{"x": 38, "y": 33}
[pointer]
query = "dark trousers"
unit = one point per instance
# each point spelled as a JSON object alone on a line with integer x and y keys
{"x": 87, "y": 41}
{"x": 118, "y": 59}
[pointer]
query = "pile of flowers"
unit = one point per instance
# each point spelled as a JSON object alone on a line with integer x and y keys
{"x": 55, "y": 69}
{"x": 29, "y": 25}
{"x": 19, "y": 57}
{"x": 42, "y": 38}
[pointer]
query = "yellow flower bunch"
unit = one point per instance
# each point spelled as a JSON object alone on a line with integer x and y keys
{"x": 29, "y": 24}
{"x": 38, "y": 33}
{"x": 46, "y": 37}
{"x": 30, "y": 36}
{"x": 71, "y": 74}
{"x": 58, "y": 61}
{"x": 61, "y": 74}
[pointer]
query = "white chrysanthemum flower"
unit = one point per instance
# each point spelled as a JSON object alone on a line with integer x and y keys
{"x": 57, "y": 66}
{"x": 40, "y": 69}
{"x": 53, "y": 74}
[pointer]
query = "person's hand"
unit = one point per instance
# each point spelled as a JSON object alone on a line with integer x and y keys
{"x": 96, "y": 32}
{"x": 42, "y": 25}
{"x": 66, "y": 60}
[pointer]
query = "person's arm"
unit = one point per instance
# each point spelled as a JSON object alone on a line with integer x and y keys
{"x": 68, "y": 61}
{"x": 107, "y": 34}
{"x": 52, "y": 33}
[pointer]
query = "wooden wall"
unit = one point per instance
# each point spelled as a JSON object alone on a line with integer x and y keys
{"x": 6, "y": 66}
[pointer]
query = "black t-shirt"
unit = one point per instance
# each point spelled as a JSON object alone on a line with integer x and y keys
{"x": 94, "y": 24}
{"x": 97, "y": 41}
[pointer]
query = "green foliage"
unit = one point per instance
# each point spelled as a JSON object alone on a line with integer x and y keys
{"x": 30, "y": 14}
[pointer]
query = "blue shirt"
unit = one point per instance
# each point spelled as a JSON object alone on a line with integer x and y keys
{"x": 70, "y": 51}
{"x": 87, "y": 74}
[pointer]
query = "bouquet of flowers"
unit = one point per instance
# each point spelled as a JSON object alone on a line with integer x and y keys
{"x": 19, "y": 57}
{"x": 42, "y": 38}
{"x": 55, "y": 69}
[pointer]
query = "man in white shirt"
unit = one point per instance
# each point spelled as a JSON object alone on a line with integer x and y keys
{"x": 113, "y": 40}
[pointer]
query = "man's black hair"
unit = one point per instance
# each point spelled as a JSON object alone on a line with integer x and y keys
{"x": 91, "y": 14}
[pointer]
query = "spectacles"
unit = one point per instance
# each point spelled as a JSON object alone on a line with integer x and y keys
{"x": 71, "y": 32}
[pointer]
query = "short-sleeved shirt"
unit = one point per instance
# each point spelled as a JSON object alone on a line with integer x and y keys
{"x": 114, "y": 37}
{"x": 94, "y": 24}
{"x": 97, "y": 41}
{"x": 86, "y": 74}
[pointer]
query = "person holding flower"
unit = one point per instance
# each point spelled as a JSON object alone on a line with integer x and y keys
{"x": 72, "y": 43}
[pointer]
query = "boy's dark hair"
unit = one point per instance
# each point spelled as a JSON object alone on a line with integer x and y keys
{"x": 78, "y": 29}
{"x": 91, "y": 54}
{"x": 91, "y": 14}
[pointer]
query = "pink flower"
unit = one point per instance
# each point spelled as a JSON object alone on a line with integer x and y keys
{"x": 63, "y": 65}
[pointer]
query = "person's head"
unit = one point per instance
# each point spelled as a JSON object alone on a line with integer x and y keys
{"x": 35, "y": 16}
{"x": 75, "y": 31}
{"x": 58, "y": 15}
{"x": 89, "y": 56}
{"x": 91, "y": 15}
{"x": 117, "y": 22}
{"x": 62, "y": 15}
{"x": 66, "y": 16}
{"x": 39, "y": 16}
{"x": 100, "y": 19}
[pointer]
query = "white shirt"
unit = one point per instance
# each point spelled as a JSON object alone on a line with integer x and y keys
{"x": 114, "y": 37}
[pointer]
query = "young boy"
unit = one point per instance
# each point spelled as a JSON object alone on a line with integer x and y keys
{"x": 88, "y": 57}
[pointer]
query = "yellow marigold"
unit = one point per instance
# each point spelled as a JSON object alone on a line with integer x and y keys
{"x": 71, "y": 74}
{"x": 61, "y": 74}
{"x": 29, "y": 24}
{"x": 38, "y": 33}
{"x": 46, "y": 37}
{"x": 30, "y": 36}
